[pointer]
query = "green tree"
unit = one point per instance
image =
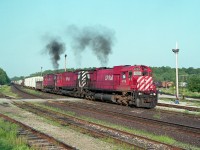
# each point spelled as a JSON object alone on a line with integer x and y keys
{"x": 194, "y": 83}
{"x": 3, "y": 77}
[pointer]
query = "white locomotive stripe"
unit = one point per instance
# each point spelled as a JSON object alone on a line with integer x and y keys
{"x": 140, "y": 78}
{"x": 149, "y": 79}
{"x": 83, "y": 73}
{"x": 83, "y": 77}
{"x": 148, "y": 83}
{"x": 140, "y": 81}
{"x": 141, "y": 88}
{"x": 84, "y": 83}
{"x": 147, "y": 86}
{"x": 142, "y": 84}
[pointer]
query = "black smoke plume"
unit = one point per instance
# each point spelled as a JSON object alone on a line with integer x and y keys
{"x": 55, "y": 49}
{"x": 98, "y": 39}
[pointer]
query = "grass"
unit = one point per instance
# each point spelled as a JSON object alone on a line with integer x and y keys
{"x": 167, "y": 99}
{"x": 193, "y": 103}
{"x": 32, "y": 91}
{"x": 196, "y": 104}
{"x": 160, "y": 138}
{"x": 182, "y": 91}
{"x": 157, "y": 116}
{"x": 118, "y": 145}
{"x": 6, "y": 90}
{"x": 9, "y": 139}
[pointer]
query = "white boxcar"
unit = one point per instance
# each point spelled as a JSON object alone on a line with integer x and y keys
{"x": 31, "y": 81}
{"x": 19, "y": 82}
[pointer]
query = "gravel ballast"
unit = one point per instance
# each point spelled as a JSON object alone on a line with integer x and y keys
{"x": 64, "y": 134}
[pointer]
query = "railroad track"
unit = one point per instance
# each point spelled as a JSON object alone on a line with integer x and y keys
{"x": 186, "y": 131}
{"x": 27, "y": 94}
{"x": 179, "y": 107}
{"x": 42, "y": 95}
{"x": 124, "y": 115}
{"x": 38, "y": 139}
{"x": 97, "y": 130}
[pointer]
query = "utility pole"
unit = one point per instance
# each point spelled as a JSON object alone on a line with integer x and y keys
{"x": 176, "y": 50}
{"x": 41, "y": 71}
{"x": 65, "y": 62}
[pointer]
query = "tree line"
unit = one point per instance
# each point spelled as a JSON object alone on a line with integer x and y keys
{"x": 190, "y": 76}
{"x": 3, "y": 77}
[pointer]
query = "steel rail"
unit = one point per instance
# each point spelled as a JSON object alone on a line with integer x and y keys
{"x": 40, "y": 135}
{"x": 114, "y": 133}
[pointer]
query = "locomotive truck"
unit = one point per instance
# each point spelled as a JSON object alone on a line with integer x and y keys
{"x": 125, "y": 85}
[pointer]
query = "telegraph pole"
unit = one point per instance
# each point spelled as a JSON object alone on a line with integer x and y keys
{"x": 65, "y": 62}
{"x": 41, "y": 71}
{"x": 176, "y": 50}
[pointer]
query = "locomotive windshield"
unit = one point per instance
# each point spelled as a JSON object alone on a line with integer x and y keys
{"x": 145, "y": 71}
{"x": 141, "y": 71}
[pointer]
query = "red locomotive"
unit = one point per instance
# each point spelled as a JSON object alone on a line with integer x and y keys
{"x": 126, "y": 85}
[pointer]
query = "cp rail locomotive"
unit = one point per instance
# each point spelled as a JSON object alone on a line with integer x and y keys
{"x": 125, "y": 85}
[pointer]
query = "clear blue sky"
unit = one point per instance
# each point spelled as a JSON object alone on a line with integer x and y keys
{"x": 145, "y": 32}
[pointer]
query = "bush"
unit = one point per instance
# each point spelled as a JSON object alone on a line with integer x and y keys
{"x": 3, "y": 77}
{"x": 194, "y": 83}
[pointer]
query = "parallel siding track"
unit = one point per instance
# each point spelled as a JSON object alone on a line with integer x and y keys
{"x": 96, "y": 129}
{"x": 38, "y": 139}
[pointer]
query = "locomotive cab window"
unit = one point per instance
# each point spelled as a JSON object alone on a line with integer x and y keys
{"x": 145, "y": 73}
{"x": 130, "y": 74}
{"x": 123, "y": 75}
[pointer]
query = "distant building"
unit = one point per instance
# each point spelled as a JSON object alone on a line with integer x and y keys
{"x": 167, "y": 84}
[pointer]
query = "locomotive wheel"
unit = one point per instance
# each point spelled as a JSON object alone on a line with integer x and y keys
{"x": 124, "y": 103}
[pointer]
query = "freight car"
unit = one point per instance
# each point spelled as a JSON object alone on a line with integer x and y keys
{"x": 125, "y": 85}
{"x": 18, "y": 82}
{"x": 31, "y": 81}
